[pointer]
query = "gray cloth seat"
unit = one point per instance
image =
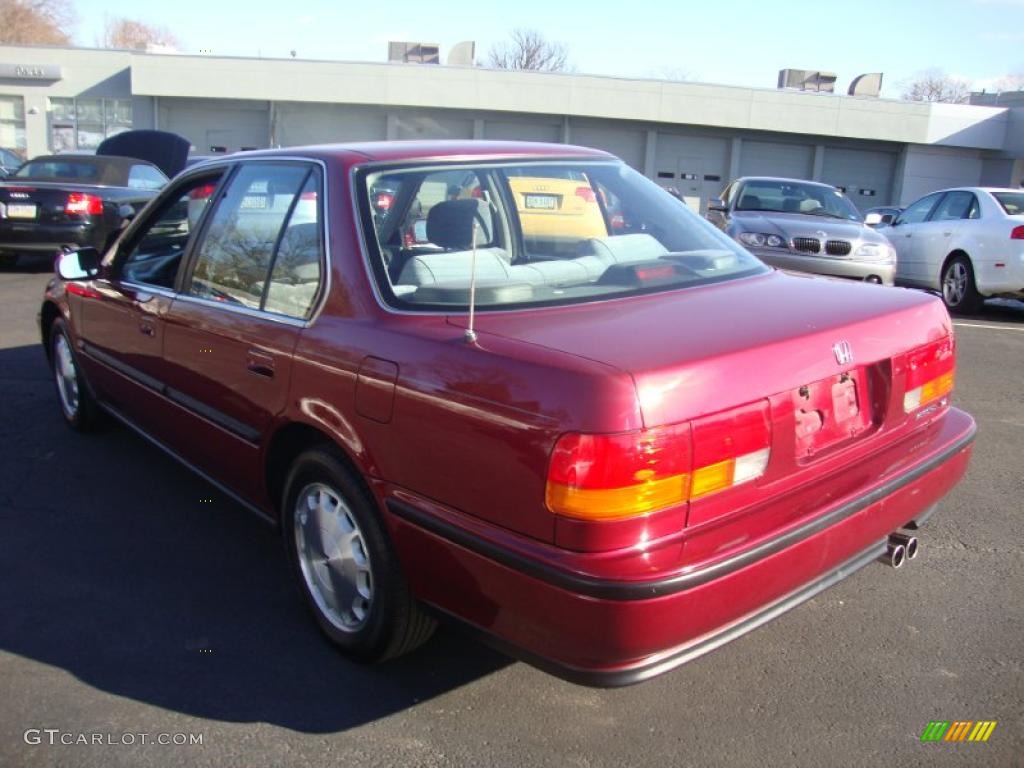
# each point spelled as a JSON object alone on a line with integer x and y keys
{"x": 492, "y": 264}
{"x": 750, "y": 203}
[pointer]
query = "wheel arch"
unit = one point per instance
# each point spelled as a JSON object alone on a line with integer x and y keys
{"x": 288, "y": 442}
{"x": 47, "y": 315}
{"x": 952, "y": 255}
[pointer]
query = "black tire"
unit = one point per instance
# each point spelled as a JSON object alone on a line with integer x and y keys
{"x": 392, "y": 622}
{"x": 80, "y": 411}
{"x": 959, "y": 291}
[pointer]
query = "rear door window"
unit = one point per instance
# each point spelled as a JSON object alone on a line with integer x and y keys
{"x": 236, "y": 254}
{"x": 955, "y": 205}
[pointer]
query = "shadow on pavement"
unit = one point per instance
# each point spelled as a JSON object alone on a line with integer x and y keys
{"x": 124, "y": 569}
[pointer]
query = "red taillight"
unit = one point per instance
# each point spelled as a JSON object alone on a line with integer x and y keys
{"x": 1017, "y": 233}
{"x": 203, "y": 192}
{"x": 382, "y": 201}
{"x": 82, "y": 203}
{"x": 308, "y": 196}
{"x": 587, "y": 193}
{"x": 608, "y": 477}
{"x": 605, "y": 477}
{"x": 730, "y": 448}
{"x": 930, "y": 373}
{"x": 617, "y": 221}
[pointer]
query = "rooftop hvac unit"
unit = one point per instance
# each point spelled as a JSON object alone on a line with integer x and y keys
{"x": 414, "y": 53}
{"x": 462, "y": 54}
{"x": 869, "y": 84}
{"x": 807, "y": 80}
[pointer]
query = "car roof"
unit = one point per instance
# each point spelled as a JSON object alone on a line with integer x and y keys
{"x": 386, "y": 151}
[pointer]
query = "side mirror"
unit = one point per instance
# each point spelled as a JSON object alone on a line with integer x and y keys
{"x": 126, "y": 213}
{"x": 83, "y": 264}
{"x": 717, "y": 204}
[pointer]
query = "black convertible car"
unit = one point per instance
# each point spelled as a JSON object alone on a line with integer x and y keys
{"x": 54, "y": 202}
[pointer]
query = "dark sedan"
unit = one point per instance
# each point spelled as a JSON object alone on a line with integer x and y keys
{"x": 803, "y": 226}
{"x": 70, "y": 201}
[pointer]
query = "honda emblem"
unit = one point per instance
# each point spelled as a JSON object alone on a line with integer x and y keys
{"x": 843, "y": 352}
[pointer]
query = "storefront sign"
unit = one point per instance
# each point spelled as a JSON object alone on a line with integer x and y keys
{"x": 30, "y": 72}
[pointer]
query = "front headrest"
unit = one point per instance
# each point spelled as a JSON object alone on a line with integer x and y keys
{"x": 450, "y": 224}
{"x": 750, "y": 202}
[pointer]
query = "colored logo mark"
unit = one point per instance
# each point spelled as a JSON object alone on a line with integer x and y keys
{"x": 958, "y": 730}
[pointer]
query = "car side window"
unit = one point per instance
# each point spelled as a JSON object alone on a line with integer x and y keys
{"x": 919, "y": 211}
{"x": 955, "y": 205}
{"x": 974, "y": 212}
{"x": 296, "y": 272}
{"x": 153, "y": 254}
{"x": 145, "y": 177}
{"x": 236, "y": 253}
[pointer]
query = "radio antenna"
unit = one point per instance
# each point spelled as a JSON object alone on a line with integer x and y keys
{"x": 470, "y": 335}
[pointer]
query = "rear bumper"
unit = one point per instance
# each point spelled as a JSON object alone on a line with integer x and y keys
{"x": 31, "y": 237}
{"x": 594, "y": 629}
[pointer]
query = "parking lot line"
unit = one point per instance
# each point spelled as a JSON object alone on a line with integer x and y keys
{"x": 984, "y": 325}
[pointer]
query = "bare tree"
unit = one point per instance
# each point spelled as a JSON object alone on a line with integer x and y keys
{"x": 1011, "y": 82}
{"x": 135, "y": 35}
{"x": 666, "y": 72}
{"x": 935, "y": 85}
{"x": 528, "y": 49}
{"x": 36, "y": 22}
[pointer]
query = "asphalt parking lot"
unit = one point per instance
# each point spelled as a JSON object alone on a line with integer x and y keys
{"x": 137, "y": 600}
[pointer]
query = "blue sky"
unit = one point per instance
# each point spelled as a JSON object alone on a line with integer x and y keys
{"x": 739, "y": 42}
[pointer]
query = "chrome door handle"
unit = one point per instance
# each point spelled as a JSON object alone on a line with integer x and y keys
{"x": 946, "y": 234}
{"x": 146, "y": 328}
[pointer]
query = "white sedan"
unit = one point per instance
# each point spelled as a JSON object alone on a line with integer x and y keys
{"x": 967, "y": 242}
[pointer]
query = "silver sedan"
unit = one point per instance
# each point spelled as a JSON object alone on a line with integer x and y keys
{"x": 803, "y": 226}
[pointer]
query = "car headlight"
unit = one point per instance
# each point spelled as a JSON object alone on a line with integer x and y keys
{"x": 760, "y": 240}
{"x": 875, "y": 252}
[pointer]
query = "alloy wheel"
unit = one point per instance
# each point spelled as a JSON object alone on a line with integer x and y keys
{"x": 333, "y": 557}
{"x": 67, "y": 376}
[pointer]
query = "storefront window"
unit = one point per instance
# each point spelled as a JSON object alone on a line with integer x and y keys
{"x": 84, "y": 123}
{"x": 12, "y": 123}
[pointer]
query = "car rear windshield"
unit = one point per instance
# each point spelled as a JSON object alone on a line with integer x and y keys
{"x": 534, "y": 233}
{"x": 782, "y": 196}
{"x": 85, "y": 170}
{"x": 1012, "y": 202}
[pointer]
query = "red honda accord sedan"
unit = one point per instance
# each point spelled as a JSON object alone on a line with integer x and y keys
{"x": 607, "y": 448}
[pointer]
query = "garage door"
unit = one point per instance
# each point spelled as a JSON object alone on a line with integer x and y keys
{"x": 865, "y": 175}
{"x": 298, "y": 124}
{"x": 217, "y": 125}
{"x": 629, "y": 144}
{"x": 432, "y": 125}
{"x": 764, "y": 158}
{"x": 522, "y": 130}
{"x": 696, "y": 166}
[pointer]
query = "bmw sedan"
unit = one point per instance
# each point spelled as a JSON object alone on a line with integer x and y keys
{"x": 803, "y": 226}
{"x": 967, "y": 243}
{"x": 608, "y": 458}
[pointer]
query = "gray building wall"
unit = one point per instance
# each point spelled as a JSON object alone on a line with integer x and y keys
{"x": 691, "y": 136}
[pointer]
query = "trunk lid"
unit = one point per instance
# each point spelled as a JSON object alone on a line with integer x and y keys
{"x": 38, "y": 201}
{"x": 702, "y": 350}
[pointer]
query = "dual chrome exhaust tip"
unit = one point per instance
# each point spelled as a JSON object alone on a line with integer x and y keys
{"x": 899, "y": 548}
